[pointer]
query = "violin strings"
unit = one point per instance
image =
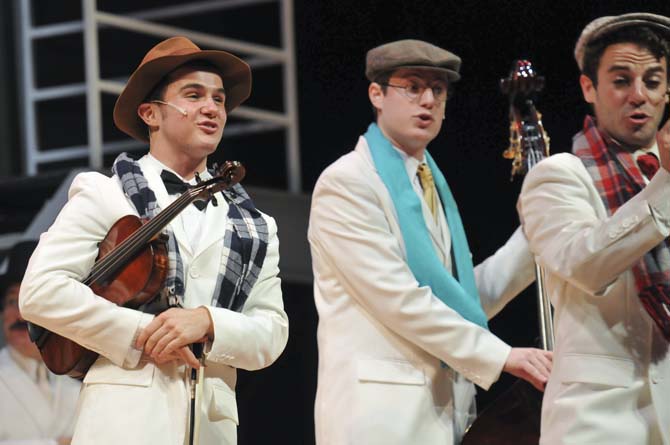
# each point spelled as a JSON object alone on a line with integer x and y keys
{"x": 140, "y": 237}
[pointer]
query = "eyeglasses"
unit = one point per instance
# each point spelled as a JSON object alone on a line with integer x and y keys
{"x": 414, "y": 91}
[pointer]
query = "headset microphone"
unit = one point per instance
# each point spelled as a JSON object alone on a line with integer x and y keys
{"x": 181, "y": 110}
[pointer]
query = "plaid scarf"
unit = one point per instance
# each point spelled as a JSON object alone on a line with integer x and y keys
{"x": 617, "y": 179}
{"x": 244, "y": 247}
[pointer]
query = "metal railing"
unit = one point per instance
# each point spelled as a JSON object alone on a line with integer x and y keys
{"x": 144, "y": 22}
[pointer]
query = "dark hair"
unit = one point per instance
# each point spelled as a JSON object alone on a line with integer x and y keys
{"x": 643, "y": 36}
{"x": 383, "y": 80}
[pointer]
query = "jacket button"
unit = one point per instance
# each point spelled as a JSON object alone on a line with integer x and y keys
{"x": 193, "y": 272}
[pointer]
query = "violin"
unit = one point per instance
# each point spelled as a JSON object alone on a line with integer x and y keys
{"x": 514, "y": 418}
{"x": 130, "y": 269}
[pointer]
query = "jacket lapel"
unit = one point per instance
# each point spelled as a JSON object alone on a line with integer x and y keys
{"x": 389, "y": 208}
{"x": 215, "y": 216}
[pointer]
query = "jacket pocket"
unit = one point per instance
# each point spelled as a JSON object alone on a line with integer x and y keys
{"x": 104, "y": 371}
{"x": 388, "y": 371}
{"x": 597, "y": 369}
{"x": 222, "y": 405}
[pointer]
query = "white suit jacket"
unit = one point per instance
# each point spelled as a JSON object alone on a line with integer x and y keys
{"x": 123, "y": 401}
{"x": 381, "y": 337}
{"x": 27, "y": 417}
{"x": 609, "y": 359}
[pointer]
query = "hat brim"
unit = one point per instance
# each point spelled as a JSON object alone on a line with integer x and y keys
{"x": 451, "y": 75}
{"x": 235, "y": 73}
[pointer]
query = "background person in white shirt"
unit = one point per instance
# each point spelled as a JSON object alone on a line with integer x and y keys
{"x": 37, "y": 407}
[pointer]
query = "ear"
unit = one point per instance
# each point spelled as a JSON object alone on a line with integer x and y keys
{"x": 376, "y": 96}
{"x": 147, "y": 112}
{"x": 588, "y": 89}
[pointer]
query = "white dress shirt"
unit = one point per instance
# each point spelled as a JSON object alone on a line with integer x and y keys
{"x": 191, "y": 218}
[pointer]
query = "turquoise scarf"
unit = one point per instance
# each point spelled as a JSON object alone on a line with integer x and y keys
{"x": 461, "y": 295}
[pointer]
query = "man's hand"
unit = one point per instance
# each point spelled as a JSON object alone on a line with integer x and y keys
{"x": 168, "y": 335}
{"x": 183, "y": 354}
{"x": 530, "y": 364}
{"x": 663, "y": 139}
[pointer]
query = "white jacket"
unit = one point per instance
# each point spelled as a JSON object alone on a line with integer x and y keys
{"x": 609, "y": 359}
{"x": 130, "y": 403}
{"x": 381, "y": 337}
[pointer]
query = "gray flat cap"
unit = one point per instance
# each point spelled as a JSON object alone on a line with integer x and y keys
{"x": 411, "y": 54}
{"x": 604, "y": 25}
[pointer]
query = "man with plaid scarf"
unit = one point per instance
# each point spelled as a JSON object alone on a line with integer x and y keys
{"x": 598, "y": 221}
{"x": 222, "y": 287}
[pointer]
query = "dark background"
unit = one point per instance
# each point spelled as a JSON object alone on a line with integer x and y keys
{"x": 331, "y": 40}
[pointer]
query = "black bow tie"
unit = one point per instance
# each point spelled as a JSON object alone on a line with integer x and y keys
{"x": 174, "y": 185}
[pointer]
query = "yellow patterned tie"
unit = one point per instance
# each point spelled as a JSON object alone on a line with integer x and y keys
{"x": 428, "y": 185}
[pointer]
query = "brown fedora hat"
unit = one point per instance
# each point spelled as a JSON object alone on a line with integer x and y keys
{"x": 166, "y": 57}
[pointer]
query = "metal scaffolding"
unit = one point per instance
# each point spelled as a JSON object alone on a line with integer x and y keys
{"x": 145, "y": 22}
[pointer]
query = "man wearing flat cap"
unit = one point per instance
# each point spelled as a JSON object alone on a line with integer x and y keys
{"x": 222, "y": 287}
{"x": 598, "y": 221}
{"x": 403, "y": 315}
{"x": 38, "y": 407}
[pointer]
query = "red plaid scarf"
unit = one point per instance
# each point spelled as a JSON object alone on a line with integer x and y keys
{"x": 617, "y": 179}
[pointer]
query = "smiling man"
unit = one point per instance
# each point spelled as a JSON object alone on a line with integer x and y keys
{"x": 222, "y": 287}
{"x": 402, "y": 313}
{"x": 598, "y": 220}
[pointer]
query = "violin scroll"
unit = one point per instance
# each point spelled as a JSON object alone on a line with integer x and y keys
{"x": 231, "y": 173}
{"x": 225, "y": 176}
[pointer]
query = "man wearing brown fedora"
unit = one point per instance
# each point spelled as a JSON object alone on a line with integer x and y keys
{"x": 598, "y": 220}
{"x": 222, "y": 286}
{"x": 37, "y": 407}
{"x": 403, "y": 315}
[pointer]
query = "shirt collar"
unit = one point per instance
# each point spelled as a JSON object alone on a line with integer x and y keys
{"x": 653, "y": 149}
{"x": 411, "y": 163}
{"x": 158, "y": 166}
{"x": 27, "y": 364}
